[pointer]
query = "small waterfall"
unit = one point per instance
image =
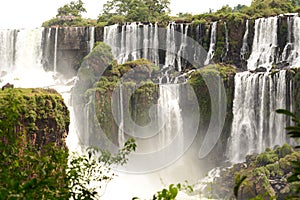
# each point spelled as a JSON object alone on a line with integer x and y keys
{"x": 213, "y": 41}
{"x": 170, "y": 46}
{"x": 183, "y": 45}
{"x": 169, "y": 115}
{"x": 121, "y": 135}
{"x": 291, "y": 50}
{"x": 7, "y": 49}
{"x": 226, "y": 42}
{"x": 264, "y": 44}
{"x": 245, "y": 46}
{"x": 92, "y": 38}
{"x": 255, "y": 124}
{"x": 55, "y": 50}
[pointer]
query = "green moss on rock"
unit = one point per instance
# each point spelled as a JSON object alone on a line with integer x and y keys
{"x": 40, "y": 113}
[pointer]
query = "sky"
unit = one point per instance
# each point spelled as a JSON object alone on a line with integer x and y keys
{"x": 32, "y": 13}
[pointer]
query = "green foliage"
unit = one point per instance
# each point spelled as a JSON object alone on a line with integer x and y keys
{"x": 266, "y": 158}
{"x": 265, "y": 8}
{"x": 90, "y": 173}
{"x": 171, "y": 192}
{"x": 134, "y": 10}
{"x": 70, "y": 15}
{"x": 238, "y": 182}
{"x": 63, "y": 22}
{"x": 168, "y": 194}
{"x": 25, "y": 171}
{"x": 293, "y": 131}
{"x": 73, "y": 8}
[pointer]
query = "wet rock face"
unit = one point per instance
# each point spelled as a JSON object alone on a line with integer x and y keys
{"x": 65, "y": 47}
{"x": 39, "y": 113}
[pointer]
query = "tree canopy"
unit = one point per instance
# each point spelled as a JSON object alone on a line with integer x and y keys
{"x": 73, "y": 8}
{"x": 118, "y": 11}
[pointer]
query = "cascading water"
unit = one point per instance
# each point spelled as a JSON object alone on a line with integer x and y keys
{"x": 169, "y": 114}
{"x": 226, "y": 41}
{"x": 291, "y": 50}
{"x": 134, "y": 41}
{"x": 24, "y": 68}
{"x": 213, "y": 41}
{"x": 255, "y": 124}
{"x": 55, "y": 50}
{"x": 183, "y": 45}
{"x": 92, "y": 38}
{"x": 121, "y": 135}
{"x": 171, "y": 46}
{"x": 264, "y": 44}
{"x": 245, "y": 46}
{"x": 7, "y": 49}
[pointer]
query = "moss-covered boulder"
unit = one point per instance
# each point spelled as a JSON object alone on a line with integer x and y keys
{"x": 39, "y": 113}
{"x": 266, "y": 175}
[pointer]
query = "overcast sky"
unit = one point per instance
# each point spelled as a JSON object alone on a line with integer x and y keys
{"x": 31, "y": 13}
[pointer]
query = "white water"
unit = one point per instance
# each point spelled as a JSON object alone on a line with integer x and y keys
{"x": 24, "y": 67}
{"x": 121, "y": 136}
{"x": 255, "y": 124}
{"x": 7, "y": 49}
{"x": 291, "y": 50}
{"x": 245, "y": 46}
{"x": 135, "y": 41}
{"x": 92, "y": 38}
{"x": 264, "y": 44}
{"x": 171, "y": 46}
{"x": 55, "y": 50}
{"x": 213, "y": 41}
{"x": 170, "y": 115}
{"x": 226, "y": 41}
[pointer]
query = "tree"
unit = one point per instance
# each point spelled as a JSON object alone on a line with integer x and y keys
{"x": 135, "y": 10}
{"x": 73, "y": 8}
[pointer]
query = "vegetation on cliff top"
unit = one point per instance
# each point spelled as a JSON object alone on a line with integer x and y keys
{"x": 121, "y": 11}
{"x": 70, "y": 15}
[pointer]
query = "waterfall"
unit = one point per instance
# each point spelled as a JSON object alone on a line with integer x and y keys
{"x": 226, "y": 41}
{"x": 245, "y": 46}
{"x": 291, "y": 50}
{"x": 55, "y": 50}
{"x": 264, "y": 44}
{"x": 170, "y": 46}
{"x": 92, "y": 38}
{"x": 7, "y": 49}
{"x": 121, "y": 135}
{"x": 183, "y": 44}
{"x": 255, "y": 124}
{"x": 23, "y": 65}
{"x": 213, "y": 41}
{"x": 133, "y": 41}
{"x": 169, "y": 115}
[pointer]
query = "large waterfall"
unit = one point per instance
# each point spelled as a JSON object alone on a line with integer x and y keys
{"x": 29, "y": 58}
{"x": 255, "y": 124}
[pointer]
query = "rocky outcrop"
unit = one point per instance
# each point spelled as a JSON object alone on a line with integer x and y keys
{"x": 266, "y": 175}
{"x": 39, "y": 113}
